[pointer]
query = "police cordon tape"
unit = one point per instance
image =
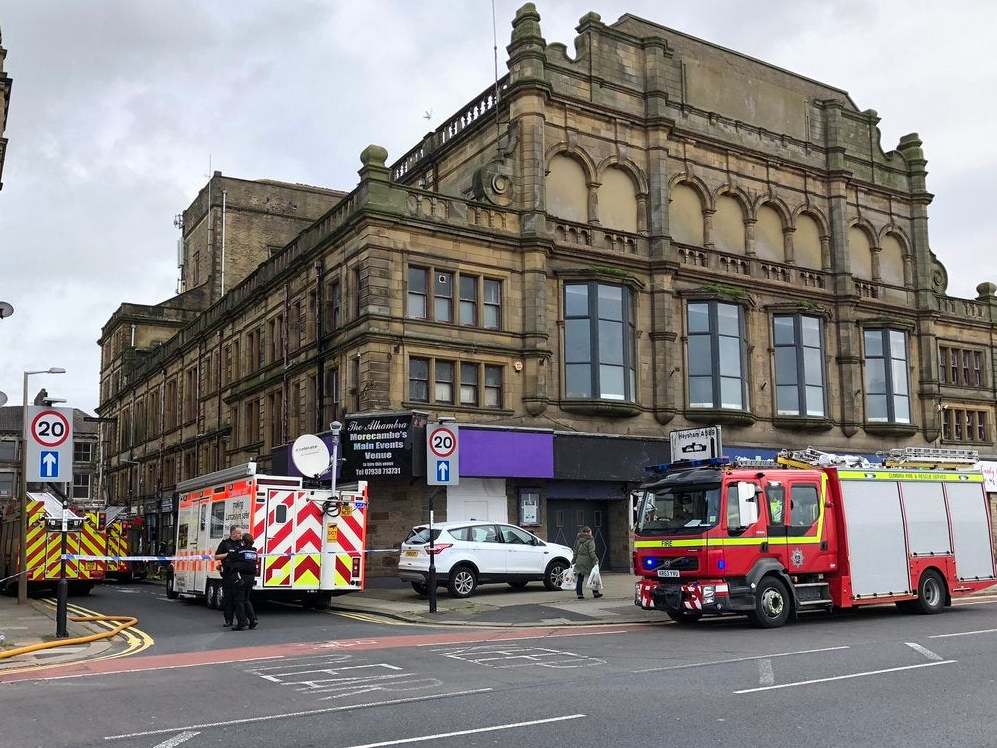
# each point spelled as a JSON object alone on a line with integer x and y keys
{"x": 194, "y": 557}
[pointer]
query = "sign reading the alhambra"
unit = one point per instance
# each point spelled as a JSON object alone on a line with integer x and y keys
{"x": 380, "y": 446}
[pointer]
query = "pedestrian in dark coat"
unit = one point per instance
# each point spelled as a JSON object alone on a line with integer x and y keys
{"x": 585, "y": 559}
{"x": 244, "y": 565}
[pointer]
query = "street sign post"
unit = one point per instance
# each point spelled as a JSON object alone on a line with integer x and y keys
{"x": 696, "y": 444}
{"x": 48, "y": 443}
{"x": 442, "y": 454}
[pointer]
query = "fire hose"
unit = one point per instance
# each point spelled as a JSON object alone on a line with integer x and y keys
{"x": 123, "y": 622}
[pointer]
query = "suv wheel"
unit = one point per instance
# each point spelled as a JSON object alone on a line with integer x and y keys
{"x": 462, "y": 582}
{"x": 554, "y": 574}
{"x": 420, "y": 588}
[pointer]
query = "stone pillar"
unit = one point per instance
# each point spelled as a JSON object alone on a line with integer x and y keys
{"x": 876, "y": 275}
{"x": 708, "y": 227}
{"x": 593, "y": 203}
{"x": 825, "y": 253}
{"x": 642, "y": 215}
{"x": 749, "y": 237}
{"x": 788, "y": 246}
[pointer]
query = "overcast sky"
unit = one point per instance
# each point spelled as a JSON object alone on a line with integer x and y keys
{"x": 118, "y": 105}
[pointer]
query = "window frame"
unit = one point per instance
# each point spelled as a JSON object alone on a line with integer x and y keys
{"x": 887, "y": 358}
{"x": 476, "y": 385}
{"x": 456, "y": 300}
{"x": 77, "y": 484}
{"x": 429, "y": 370}
{"x": 594, "y": 362}
{"x": 799, "y": 347}
{"x": 714, "y": 335}
{"x": 438, "y": 297}
{"x": 474, "y": 302}
{"x": 438, "y": 364}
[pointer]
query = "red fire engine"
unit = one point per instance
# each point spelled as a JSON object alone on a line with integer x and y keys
{"x": 811, "y": 530}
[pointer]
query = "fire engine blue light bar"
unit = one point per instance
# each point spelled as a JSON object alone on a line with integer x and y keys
{"x": 665, "y": 467}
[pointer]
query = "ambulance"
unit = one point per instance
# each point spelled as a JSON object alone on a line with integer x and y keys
{"x": 311, "y": 541}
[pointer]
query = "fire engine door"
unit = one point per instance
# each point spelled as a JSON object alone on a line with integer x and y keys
{"x": 775, "y": 504}
{"x": 805, "y": 546}
{"x": 279, "y": 543}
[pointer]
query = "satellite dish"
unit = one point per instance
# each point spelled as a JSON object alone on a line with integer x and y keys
{"x": 310, "y": 455}
{"x": 5, "y": 310}
{"x": 3, "y": 399}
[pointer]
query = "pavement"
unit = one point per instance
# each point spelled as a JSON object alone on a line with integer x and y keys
{"x": 336, "y": 679}
{"x": 34, "y": 623}
{"x": 500, "y": 605}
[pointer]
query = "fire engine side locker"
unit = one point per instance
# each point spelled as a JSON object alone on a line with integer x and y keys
{"x": 970, "y": 520}
{"x": 876, "y": 537}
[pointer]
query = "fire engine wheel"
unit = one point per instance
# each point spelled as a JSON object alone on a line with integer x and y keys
{"x": 463, "y": 582}
{"x": 930, "y": 594}
{"x": 683, "y": 617}
{"x": 772, "y": 604}
{"x": 555, "y": 574}
{"x": 171, "y": 588}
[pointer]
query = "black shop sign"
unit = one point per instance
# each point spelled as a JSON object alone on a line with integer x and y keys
{"x": 384, "y": 446}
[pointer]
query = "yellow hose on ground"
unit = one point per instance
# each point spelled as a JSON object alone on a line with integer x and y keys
{"x": 124, "y": 622}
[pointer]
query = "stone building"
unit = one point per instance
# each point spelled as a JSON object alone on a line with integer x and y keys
{"x": 6, "y": 83}
{"x": 647, "y": 233}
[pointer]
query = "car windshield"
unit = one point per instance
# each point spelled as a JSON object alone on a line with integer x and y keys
{"x": 667, "y": 510}
{"x": 420, "y": 535}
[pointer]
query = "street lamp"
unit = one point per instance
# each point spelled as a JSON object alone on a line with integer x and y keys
{"x": 22, "y": 580}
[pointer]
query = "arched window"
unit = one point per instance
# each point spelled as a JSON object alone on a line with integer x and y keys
{"x": 768, "y": 235}
{"x": 860, "y": 253}
{"x": 891, "y": 261}
{"x": 685, "y": 215}
{"x": 806, "y": 243}
{"x": 567, "y": 189}
{"x": 618, "y": 201}
{"x": 728, "y": 225}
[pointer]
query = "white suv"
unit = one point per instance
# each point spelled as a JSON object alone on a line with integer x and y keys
{"x": 473, "y": 553}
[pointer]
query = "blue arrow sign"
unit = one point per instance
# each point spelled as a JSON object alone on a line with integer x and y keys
{"x": 442, "y": 470}
{"x": 49, "y": 463}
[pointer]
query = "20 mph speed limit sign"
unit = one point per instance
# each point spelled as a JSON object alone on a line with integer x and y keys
{"x": 442, "y": 454}
{"x": 48, "y": 439}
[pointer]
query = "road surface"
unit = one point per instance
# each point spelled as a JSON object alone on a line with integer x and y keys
{"x": 305, "y": 678}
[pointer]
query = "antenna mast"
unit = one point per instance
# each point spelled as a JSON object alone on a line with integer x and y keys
{"x": 495, "y": 56}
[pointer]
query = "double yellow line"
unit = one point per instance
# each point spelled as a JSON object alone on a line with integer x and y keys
{"x": 136, "y": 640}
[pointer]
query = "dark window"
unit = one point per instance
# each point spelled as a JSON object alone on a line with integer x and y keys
{"x": 468, "y": 384}
{"x": 82, "y": 452}
{"x": 443, "y": 297}
{"x": 804, "y": 509}
{"x": 887, "y": 389}
{"x": 716, "y": 356}
{"x": 332, "y": 396}
{"x": 960, "y": 367}
{"x": 418, "y": 380}
{"x": 6, "y": 485}
{"x": 961, "y": 425}
{"x": 444, "y": 382}
{"x": 336, "y": 299}
{"x": 493, "y": 386}
{"x": 598, "y": 342}
{"x": 81, "y": 486}
{"x": 799, "y": 365}
{"x": 358, "y": 291}
{"x": 469, "y": 300}
{"x": 8, "y": 451}
{"x": 516, "y": 536}
{"x": 417, "y": 293}
{"x": 217, "y": 519}
{"x": 493, "y": 304}
{"x": 280, "y": 514}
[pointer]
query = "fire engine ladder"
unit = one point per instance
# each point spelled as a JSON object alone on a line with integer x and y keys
{"x": 810, "y": 457}
{"x": 930, "y": 458}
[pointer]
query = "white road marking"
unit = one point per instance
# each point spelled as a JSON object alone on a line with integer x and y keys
{"x": 508, "y": 656}
{"x": 740, "y": 659}
{"x": 973, "y": 602}
{"x": 306, "y": 713}
{"x": 493, "y": 728}
{"x": 177, "y": 739}
{"x": 925, "y": 651}
{"x": 963, "y": 633}
{"x": 845, "y": 677}
{"x": 523, "y": 638}
{"x": 766, "y": 675}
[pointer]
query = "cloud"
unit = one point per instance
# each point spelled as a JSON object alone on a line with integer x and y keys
{"x": 119, "y": 104}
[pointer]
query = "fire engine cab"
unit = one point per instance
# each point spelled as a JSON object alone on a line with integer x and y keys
{"x": 812, "y": 530}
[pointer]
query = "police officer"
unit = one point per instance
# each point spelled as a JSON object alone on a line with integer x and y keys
{"x": 224, "y": 553}
{"x": 244, "y": 564}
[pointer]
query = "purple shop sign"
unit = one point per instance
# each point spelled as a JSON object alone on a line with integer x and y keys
{"x": 487, "y": 453}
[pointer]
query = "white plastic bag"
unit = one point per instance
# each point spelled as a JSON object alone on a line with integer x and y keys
{"x": 594, "y": 581}
{"x": 568, "y": 580}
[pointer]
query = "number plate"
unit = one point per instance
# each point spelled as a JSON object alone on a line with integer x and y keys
{"x": 412, "y": 554}
{"x": 668, "y": 572}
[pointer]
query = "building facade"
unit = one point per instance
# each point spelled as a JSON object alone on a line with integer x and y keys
{"x": 650, "y": 233}
{"x": 6, "y": 83}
